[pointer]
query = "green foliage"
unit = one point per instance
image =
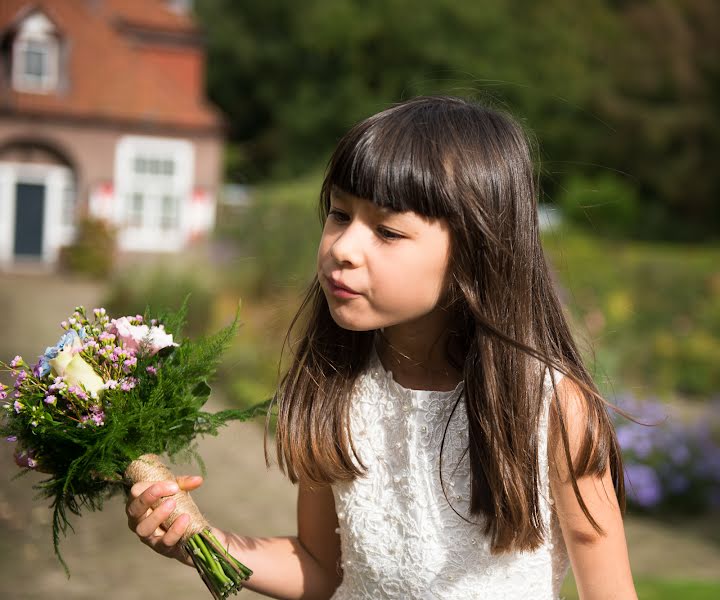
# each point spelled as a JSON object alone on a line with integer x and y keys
{"x": 649, "y": 309}
{"x": 93, "y": 251}
{"x": 606, "y": 205}
{"x": 608, "y": 87}
{"x": 660, "y": 589}
{"x": 277, "y": 236}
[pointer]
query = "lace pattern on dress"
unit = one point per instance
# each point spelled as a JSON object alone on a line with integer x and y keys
{"x": 400, "y": 539}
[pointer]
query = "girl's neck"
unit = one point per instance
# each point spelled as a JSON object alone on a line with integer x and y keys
{"x": 416, "y": 353}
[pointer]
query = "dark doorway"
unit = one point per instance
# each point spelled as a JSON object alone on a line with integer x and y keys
{"x": 29, "y": 214}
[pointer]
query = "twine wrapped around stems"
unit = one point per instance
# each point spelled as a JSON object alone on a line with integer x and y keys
{"x": 221, "y": 572}
{"x": 149, "y": 467}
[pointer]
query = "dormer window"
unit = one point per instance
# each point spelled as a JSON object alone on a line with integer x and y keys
{"x": 36, "y": 56}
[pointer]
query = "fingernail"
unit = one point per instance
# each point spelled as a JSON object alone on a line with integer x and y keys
{"x": 173, "y": 488}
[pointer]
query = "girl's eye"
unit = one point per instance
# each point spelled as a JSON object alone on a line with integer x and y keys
{"x": 388, "y": 234}
{"x": 338, "y": 216}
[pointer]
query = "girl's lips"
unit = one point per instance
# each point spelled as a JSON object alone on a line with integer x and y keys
{"x": 341, "y": 291}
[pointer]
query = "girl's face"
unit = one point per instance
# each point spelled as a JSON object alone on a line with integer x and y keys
{"x": 380, "y": 268}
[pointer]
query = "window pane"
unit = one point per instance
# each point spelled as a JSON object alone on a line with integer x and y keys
{"x": 35, "y": 60}
{"x": 168, "y": 167}
{"x": 140, "y": 165}
{"x": 135, "y": 210}
{"x": 168, "y": 216}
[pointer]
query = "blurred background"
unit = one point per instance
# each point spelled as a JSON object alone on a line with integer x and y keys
{"x": 150, "y": 149}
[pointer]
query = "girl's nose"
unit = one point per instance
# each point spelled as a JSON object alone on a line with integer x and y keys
{"x": 347, "y": 248}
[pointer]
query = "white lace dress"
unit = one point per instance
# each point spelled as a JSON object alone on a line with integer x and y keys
{"x": 399, "y": 537}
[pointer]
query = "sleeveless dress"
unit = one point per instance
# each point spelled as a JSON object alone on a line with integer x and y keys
{"x": 400, "y": 539}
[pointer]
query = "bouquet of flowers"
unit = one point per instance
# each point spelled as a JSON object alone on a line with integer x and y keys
{"x": 98, "y": 407}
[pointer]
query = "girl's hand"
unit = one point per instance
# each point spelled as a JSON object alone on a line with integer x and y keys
{"x": 146, "y": 521}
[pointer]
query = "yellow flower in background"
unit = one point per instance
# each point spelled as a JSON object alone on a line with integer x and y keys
{"x": 619, "y": 306}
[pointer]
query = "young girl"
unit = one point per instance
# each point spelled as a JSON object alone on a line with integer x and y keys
{"x": 446, "y": 439}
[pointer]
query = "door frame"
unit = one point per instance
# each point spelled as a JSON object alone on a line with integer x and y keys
{"x": 55, "y": 179}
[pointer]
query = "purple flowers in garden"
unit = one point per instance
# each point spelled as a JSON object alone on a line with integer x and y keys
{"x": 670, "y": 462}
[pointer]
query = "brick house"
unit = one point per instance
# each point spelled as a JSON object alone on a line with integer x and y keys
{"x": 102, "y": 113}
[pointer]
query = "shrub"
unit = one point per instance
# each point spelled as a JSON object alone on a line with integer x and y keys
{"x": 607, "y": 205}
{"x": 93, "y": 251}
{"x": 277, "y": 236}
{"x": 161, "y": 288}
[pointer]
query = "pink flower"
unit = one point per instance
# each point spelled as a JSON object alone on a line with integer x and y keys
{"x": 132, "y": 336}
{"x": 127, "y": 384}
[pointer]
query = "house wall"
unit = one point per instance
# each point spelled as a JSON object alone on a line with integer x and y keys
{"x": 91, "y": 150}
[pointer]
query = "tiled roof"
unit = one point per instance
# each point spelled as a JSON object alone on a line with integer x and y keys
{"x": 110, "y": 74}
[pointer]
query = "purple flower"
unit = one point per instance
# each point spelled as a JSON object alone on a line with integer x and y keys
{"x": 26, "y": 458}
{"x": 39, "y": 368}
{"x": 152, "y": 370}
{"x": 51, "y": 399}
{"x": 678, "y": 483}
{"x": 129, "y": 364}
{"x": 679, "y": 453}
{"x": 18, "y": 406}
{"x": 11, "y": 438}
{"x": 98, "y": 418}
{"x": 106, "y": 336}
{"x": 16, "y": 362}
{"x": 643, "y": 485}
{"x": 128, "y": 384}
{"x": 58, "y": 386}
{"x": 77, "y": 391}
{"x": 3, "y": 394}
{"x": 110, "y": 384}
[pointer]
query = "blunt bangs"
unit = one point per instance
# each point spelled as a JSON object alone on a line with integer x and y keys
{"x": 400, "y": 159}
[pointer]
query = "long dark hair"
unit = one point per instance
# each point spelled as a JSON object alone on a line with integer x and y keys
{"x": 449, "y": 158}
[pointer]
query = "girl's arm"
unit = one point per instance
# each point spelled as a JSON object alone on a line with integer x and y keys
{"x": 305, "y": 566}
{"x": 600, "y": 564}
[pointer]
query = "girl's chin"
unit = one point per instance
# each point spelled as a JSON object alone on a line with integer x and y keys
{"x": 353, "y": 324}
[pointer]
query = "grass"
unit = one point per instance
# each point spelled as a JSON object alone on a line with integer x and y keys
{"x": 659, "y": 589}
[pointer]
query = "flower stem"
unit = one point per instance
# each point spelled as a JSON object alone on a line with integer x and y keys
{"x": 222, "y": 573}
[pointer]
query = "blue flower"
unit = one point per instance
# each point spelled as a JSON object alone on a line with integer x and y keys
{"x": 68, "y": 338}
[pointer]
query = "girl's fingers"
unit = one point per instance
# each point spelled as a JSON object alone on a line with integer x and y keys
{"x": 147, "y": 526}
{"x": 176, "y": 531}
{"x": 137, "y": 507}
{"x": 189, "y": 482}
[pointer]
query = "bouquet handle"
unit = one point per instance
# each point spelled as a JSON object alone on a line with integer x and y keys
{"x": 222, "y": 573}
